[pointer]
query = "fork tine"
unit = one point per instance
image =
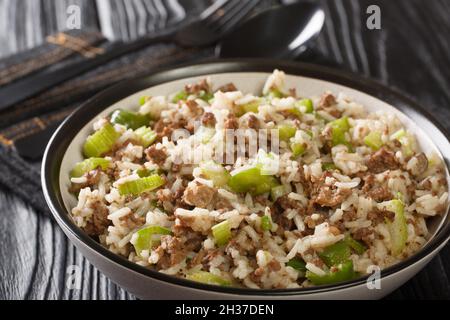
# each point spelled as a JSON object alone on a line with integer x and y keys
{"x": 225, "y": 11}
{"x": 212, "y": 9}
{"x": 228, "y": 22}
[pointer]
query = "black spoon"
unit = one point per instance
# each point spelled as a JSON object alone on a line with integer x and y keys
{"x": 282, "y": 32}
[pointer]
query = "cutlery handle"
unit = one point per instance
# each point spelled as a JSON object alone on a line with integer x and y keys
{"x": 25, "y": 88}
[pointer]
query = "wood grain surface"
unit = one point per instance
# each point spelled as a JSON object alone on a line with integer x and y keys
{"x": 411, "y": 52}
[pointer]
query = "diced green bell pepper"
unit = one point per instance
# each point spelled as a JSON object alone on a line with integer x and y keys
{"x": 297, "y": 264}
{"x": 336, "y": 253}
{"x": 129, "y": 119}
{"x": 344, "y": 272}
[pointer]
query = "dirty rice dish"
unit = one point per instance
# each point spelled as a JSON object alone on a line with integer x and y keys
{"x": 335, "y": 191}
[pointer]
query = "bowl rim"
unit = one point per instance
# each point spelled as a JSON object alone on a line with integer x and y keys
{"x": 63, "y": 136}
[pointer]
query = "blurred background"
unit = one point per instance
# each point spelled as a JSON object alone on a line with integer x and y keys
{"x": 410, "y": 51}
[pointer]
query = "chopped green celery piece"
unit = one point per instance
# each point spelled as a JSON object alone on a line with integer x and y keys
{"x": 336, "y": 253}
{"x": 100, "y": 141}
{"x": 248, "y": 107}
{"x": 297, "y": 149}
{"x": 87, "y": 165}
{"x": 285, "y": 132}
{"x": 357, "y": 246}
{"x": 402, "y": 136}
{"x": 142, "y": 173}
{"x": 129, "y": 119}
{"x": 143, "y": 100}
{"x": 339, "y": 128}
{"x": 146, "y": 136}
{"x": 217, "y": 173}
{"x": 266, "y": 223}
{"x": 344, "y": 272}
{"x": 144, "y": 237}
{"x": 138, "y": 186}
{"x": 397, "y": 228}
{"x": 182, "y": 95}
{"x": 266, "y": 185}
{"x": 297, "y": 264}
{"x": 328, "y": 166}
{"x": 340, "y": 251}
{"x": 208, "y": 278}
{"x": 205, "y": 96}
{"x": 276, "y": 93}
{"x": 306, "y": 105}
{"x": 373, "y": 140}
{"x": 251, "y": 180}
{"x": 278, "y": 191}
{"x": 222, "y": 232}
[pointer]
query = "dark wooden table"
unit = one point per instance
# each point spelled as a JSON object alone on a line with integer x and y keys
{"x": 411, "y": 52}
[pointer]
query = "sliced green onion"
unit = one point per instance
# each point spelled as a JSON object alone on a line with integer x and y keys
{"x": 266, "y": 223}
{"x": 305, "y": 105}
{"x": 207, "y": 278}
{"x": 129, "y": 119}
{"x": 87, "y": 165}
{"x": 138, "y": 186}
{"x": 285, "y": 132}
{"x": 373, "y": 140}
{"x": 222, "y": 232}
{"x": 251, "y": 180}
{"x": 344, "y": 272}
{"x": 297, "y": 264}
{"x": 397, "y": 228}
{"x": 101, "y": 142}
{"x": 143, "y": 240}
{"x": 146, "y": 136}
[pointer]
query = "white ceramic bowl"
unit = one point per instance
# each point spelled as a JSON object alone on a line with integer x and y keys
{"x": 64, "y": 150}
